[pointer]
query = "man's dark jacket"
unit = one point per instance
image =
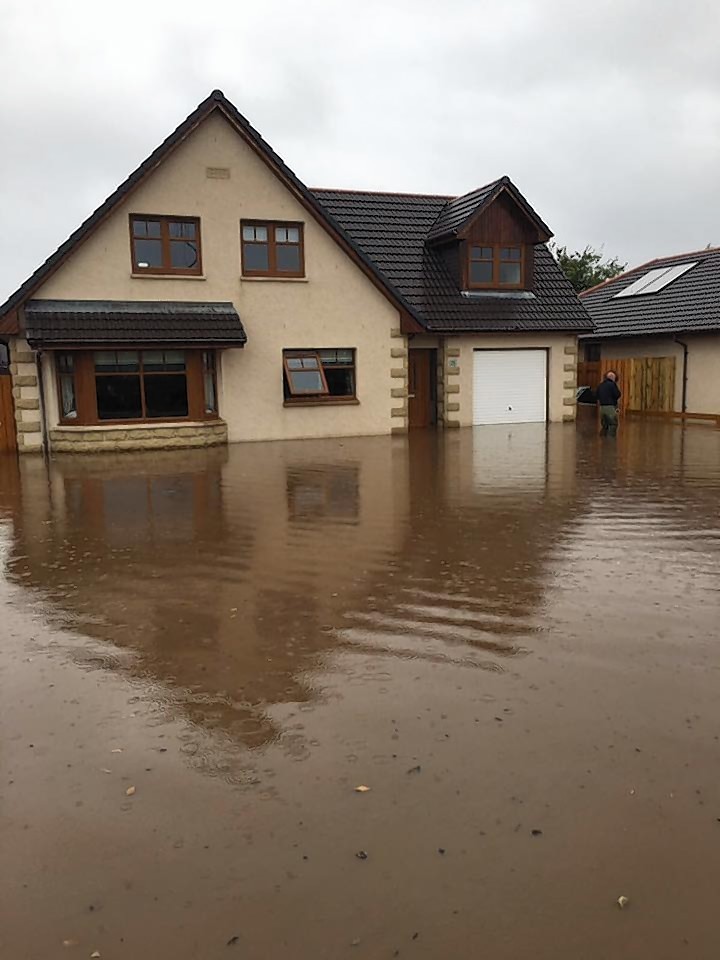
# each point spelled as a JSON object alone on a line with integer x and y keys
{"x": 608, "y": 394}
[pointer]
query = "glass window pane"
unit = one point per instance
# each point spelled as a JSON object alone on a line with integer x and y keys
{"x": 180, "y": 229}
{"x": 258, "y": 234}
{"x": 118, "y": 398}
{"x": 174, "y": 359}
{"x": 67, "y": 396}
{"x": 255, "y": 257}
{"x": 302, "y": 363}
{"x": 481, "y": 271}
{"x": 146, "y": 228}
{"x": 510, "y": 273}
{"x": 208, "y": 359}
{"x": 281, "y": 234}
{"x": 148, "y": 253}
{"x": 210, "y": 393}
{"x": 166, "y": 395}
{"x": 306, "y": 381}
{"x": 510, "y": 253}
{"x": 66, "y": 362}
{"x": 128, "y": 361}
{"x": 481, "y": 253}
{"x": 183, "y": 254}
{"x": 288, "y": 258}
{"x": 105, "y": 361}
{"x": 293, "y": 235}
{"x": 152, "y": 359}
{"x": 329, "y": 357}
{"x": 341, "y": 383}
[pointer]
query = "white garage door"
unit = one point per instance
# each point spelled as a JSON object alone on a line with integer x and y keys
{"x": 509, "y": 386}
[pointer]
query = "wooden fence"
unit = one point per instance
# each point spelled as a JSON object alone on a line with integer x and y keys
{"x": 647, "y": 383}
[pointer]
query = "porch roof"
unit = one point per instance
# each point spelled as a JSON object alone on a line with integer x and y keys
{"x": 59, "y": 323}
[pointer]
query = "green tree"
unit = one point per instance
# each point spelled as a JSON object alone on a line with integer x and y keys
{"x": 586, "y": 269}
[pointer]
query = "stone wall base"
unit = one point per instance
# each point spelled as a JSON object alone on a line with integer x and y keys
{"x": 141, "y": 437}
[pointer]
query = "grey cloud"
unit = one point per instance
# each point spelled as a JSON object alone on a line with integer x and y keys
{"x": 606, "y": 114}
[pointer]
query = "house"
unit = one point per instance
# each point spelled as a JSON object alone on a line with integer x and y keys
{"x": 214, "y": 297}
{"x": 661, "y": 321}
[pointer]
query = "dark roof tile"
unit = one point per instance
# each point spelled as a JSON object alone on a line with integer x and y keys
{"x": 393, "y": 230}
{"x": 691, "y": 303}
{"x": 52, "y": 323}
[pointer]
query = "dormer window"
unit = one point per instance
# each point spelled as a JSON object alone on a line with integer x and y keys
{"x": 495, "y": 266}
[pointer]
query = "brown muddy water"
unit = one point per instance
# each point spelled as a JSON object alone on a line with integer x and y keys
{"x": 512, "y": 636}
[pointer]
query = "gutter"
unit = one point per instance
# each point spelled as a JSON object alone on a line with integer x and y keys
{"x": 684, "y": 345}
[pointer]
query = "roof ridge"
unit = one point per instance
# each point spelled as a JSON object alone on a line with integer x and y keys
{"x": 382, "y": 193}
{"x": 486, "y": 186}
{"x": 647, "y": 265}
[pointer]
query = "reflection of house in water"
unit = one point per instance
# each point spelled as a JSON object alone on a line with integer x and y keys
{"x": 223, "y": 574}
{"x": 324, "y": 491}
{"x": 228, "y": 577}
{"x": 487, "y": 510}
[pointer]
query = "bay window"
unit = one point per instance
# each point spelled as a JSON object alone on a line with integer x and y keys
{"x": 105, "y": 386}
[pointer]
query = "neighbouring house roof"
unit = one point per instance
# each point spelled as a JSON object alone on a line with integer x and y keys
{"x": 394, "y": 230}
{"x": 56, "y": 323}
{"x": 689, "y": 303}
{"x": 458, "y": 211}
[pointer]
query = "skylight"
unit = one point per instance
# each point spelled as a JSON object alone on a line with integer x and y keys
{"x": 655, "y": 280}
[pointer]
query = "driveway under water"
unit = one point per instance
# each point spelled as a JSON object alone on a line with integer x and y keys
{"x": 510, "y": 635}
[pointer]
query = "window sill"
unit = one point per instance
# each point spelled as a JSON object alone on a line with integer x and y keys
{"x": 274, "y": 279}
{"x": 167, "y": 276}
{"x": 134, "y": 424}
{"x": 335, "y": 402}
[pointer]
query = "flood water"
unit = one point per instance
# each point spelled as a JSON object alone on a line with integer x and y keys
{"x": 510, "y": 635}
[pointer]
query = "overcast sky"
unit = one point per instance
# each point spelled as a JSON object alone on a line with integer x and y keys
{"x": 606, "y": 114}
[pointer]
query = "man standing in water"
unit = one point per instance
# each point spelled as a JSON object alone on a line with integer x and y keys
{"x": 608, "y": 395}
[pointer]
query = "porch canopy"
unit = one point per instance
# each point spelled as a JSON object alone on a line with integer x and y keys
{"x": 62, "y": 324}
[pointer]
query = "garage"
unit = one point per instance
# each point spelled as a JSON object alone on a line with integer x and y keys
{"x": 509, "y": 386}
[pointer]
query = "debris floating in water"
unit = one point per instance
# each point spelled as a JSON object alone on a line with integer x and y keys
{"x": 361, "y": 788}
{"x": 622, "y": 902}
{"x": 130, "y": 792}
{"x": 361, "y": 855}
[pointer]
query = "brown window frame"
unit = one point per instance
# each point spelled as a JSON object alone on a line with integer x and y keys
{"x": 166, "y": 270}
{"x": 85, "y": 386}
{"x": 496, "y": 261}
{"x": 291, "y": 398}
{"x": 272, "y": 244}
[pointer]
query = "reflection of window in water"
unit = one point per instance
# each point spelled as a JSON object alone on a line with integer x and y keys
{"x": 330, "y": 492}
{"x": 131, "y": 509}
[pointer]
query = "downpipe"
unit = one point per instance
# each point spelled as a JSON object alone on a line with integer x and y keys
{"x": 684, "y": 345}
